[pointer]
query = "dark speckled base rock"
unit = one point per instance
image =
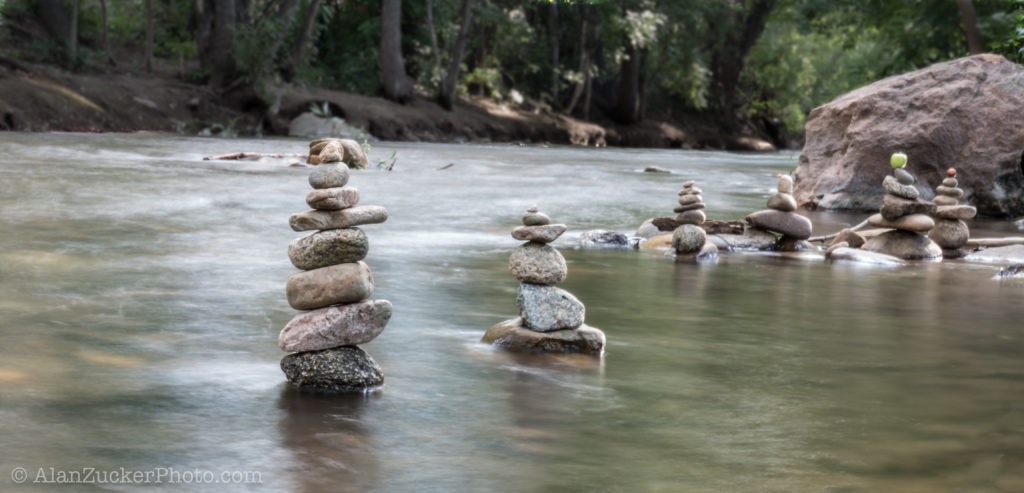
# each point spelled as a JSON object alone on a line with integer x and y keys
{"x": 337, "y": 370}
{"x": 512, "y": 336}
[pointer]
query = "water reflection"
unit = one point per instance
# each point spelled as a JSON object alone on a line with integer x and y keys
{"x": 331, "y": 447}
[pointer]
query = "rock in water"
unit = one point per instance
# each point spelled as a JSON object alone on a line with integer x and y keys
{"x": 341, "y": 369}
{"x": 782, "y": 202}
{"x": 547, "y": 308}
{"x": 537, "y": 263}
{"x": 330, "y": 175}
{"x": 345, "y": 325}
{"x": 786, "y": 223}
{"x": 894, "y": 207}
{"x": 1015, "y": 271}
{"x": 318, "y": 288}
{"x": 918, "y": 223}
{"x": 848, "y": 137}
{"x": 688, "y": 238}
{"x": 905, "y": 245}
{"x": 599, "y": 238}
{"x": 328, "y": 247}
{"x": 541, "y": 234}
{"x": 950, "y": 233}
{"x": 511, "y": 335}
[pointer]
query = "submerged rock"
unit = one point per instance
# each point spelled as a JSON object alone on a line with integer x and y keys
{"x": 862, "y": 256}
{"x": 335, "y": 370}
{"x": 905, "y": 245}
{"x": 599, "y": 238}
{"x": 1009, "y": 254}
{"x": 1015, "y": 271}
{"x": 751, "y": 239}
{"x": 511, "y": 335}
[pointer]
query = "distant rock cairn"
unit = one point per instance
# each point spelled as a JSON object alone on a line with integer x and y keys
{"x": 689, "y": 240}
{"x": 950, "y": 231}
{"x": 781, "y": 218}
{"x": 335, "y": 287}
{"x": 550, "y": 319}
{"x": 907, "y": 215}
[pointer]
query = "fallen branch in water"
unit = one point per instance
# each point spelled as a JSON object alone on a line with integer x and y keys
{"x": 252, "y": 155}
{"x": 995, "y": 242}
{"x": 833, "y": 235}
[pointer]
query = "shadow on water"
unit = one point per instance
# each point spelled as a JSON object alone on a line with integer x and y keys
{"x": 329, "y": 444}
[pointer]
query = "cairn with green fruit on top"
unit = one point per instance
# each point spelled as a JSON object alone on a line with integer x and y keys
{"x": 951, "y": 232}
{"x": 906, "y": 214}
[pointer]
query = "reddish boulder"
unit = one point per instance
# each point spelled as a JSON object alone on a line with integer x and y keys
{"x": 961, "y": 114}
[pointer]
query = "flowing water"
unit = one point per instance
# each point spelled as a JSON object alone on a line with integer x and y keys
{"x": 142, "y": 290}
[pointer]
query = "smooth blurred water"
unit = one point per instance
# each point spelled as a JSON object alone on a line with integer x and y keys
{"x": 142, "y": 290}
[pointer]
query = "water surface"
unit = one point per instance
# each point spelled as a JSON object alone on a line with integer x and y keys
{"x": 142, "y": 290}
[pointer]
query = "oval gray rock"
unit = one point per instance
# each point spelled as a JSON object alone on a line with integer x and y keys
{"x": 782, "y": 202}
{"x": 547, "y": 308}
{"x": 537, "y": 263}
{"x": 688, "y": 238}
{"x": 326, "y": 286}
{"x": 329, "y": 175}
{"x": 786, "y": 223}
{"x": 335, "y": 370}
{"x": 905, "y": 245}
{"x": 541, "y": 234}
{"x": 328, "y": 247}
{"x": 345, "y": 325}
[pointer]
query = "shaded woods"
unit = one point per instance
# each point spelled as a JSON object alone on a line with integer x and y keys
{"x": 740, "y": 67}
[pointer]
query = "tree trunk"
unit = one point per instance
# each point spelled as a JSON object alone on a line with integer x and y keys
{"x": 433, "y": 38}
{"x": 149, "y": 36}
{"x": 627, "y": 110}
{"x": 286, "y": 14}
{"x": 397, "y": 86}
{"x": 55, "y": 16}
{"x": 73, "y": 37}
{"x": 727, "y": 61}
{"x": 216, "y": 34}
{"x": 584, "y": 66}
{"x": 553, "y": 36}
{"x": 105, "y": 33}
{"x": 974, "y": 41}
{"x": 297, "y": 56}
{"x": 447, "y": 95}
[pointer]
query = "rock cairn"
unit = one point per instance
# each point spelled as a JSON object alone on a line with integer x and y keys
{"x": 690, "y": 239}
{"x": 781, "y": 218}
{"x": 335, "y": 287}
{"x": 332, "y": 150}
{"x": 550, "y": 319}
{"x": 951, "y": 232}
{"x": 906, "y": 214}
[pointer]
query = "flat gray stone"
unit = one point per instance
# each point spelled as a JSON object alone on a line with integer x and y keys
{"x": 695, "y": 216}
{"x": 954, "y": 192}
{"x": 547, "y": 308}
{"x": 690, "y": 191}
{"x": 345, "y": 218}
{"x": 852, "y": 239}
{"x": 894, "y": 207}
{"x": 918, "y": 223}
{"x": 751, "y": 239}
{"x": 336, "y": 370}
{"x": 332, "y": 199}
{"x": 956, "y": 211}
{"x": 646, "y": 230}
{"x": 328, "y": 247}
{"x": 785, "y": 223}
{"x": 861, "y": 256}
{"x": 782, "y": 202}
{"x": 511, "y": 335}
{"x": 903, "y": 176}
{"x": 344, "y": 325}
{"x": 541, "y": 234}
{"x": 329, "y": 175}
{"x": 688, "y": 238}
{"x": 893, "y": 186}
{"x": 655, "y": 169}
{"x": 690, "y": 199}
{"x": 942, "y": 200}
{"x": 689, "y": 207}
{"x": 326, "y": 286}
{"x": 534, "y": 218}
{"x": 537, "y": 263}
{"x": 950, "y": 182}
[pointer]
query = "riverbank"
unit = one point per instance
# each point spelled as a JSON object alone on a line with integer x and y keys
{"x": 43, "y": 98}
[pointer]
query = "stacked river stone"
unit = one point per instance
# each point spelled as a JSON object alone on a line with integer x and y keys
{"x": 950, "y": 231}
{"x": 335, "y": 287}
{"x": 689, "y": 239}
{"x": 550, "y": 319}
{"x": 331, "y": 150}
{"x": 907, "y": 215}
{"x": 781, "y": 217}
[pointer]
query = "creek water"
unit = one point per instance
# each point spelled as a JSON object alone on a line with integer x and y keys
{"x": 142, "y": 291}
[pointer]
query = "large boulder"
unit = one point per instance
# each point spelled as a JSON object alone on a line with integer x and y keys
{"x": 961, "y": 114}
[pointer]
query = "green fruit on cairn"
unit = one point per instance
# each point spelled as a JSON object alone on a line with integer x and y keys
{"x": 898, "y": 160}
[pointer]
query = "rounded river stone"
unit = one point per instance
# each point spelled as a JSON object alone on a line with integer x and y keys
{"x": 688, "y": 238}
{"x": 326, "y": 286}
{"x": 511, "y": 335}
{"x": 328, "y": 247}
{"x": 538, "y": 263}
{"x": 329, "y": 175}
{"x": 547, "y": 308}
{"x": 344, "y": 325}
{"x": 782, "y": 202}
{"x": 541, "y": 234}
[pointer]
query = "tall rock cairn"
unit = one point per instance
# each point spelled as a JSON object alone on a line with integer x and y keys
{"x": 335, "y": 287}
{"x": 550, "y": 319}
{"x": 690, "y": 240}
{"x": 950, "y": 231}
{"x": 781, "y": 218}
{"x": 906, "y": 214}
